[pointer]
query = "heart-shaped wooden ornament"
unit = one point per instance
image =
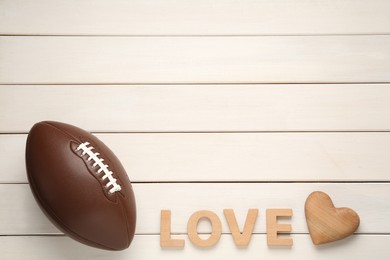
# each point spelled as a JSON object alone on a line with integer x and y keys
{"x": 327, "y": 223}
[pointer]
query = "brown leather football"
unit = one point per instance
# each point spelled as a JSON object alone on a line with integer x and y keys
{"x": 80, "y": 185}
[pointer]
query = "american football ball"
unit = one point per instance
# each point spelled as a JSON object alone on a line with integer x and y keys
{"x": 80, "y": 185}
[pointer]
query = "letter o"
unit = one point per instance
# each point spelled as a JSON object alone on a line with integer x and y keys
{"x": 216, "y": 228}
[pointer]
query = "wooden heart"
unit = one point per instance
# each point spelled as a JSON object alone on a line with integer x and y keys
{"x": 327, "y": 223}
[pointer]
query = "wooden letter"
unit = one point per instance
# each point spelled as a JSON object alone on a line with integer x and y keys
{"x": 216, "y": 228}
{"x": 273, "y": 227}
{"x": 165, "y": 232}
{"x": 241, "y": 239}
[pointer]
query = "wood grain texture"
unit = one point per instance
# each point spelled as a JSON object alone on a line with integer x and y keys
{"x": 178, "y": 108}
{"x": 215, "y": 230}
{"x": 274, "y": 229}
{"x": 326, "y": 222}
{"x": 249, "y": 132}
{"x": 42, "y": 248}
{"x": 176, "y": 17}
{"x": 241, "y": 236}
{"x": 166, "y": 240}
{"x": 232, "y": 156}
{"x": 370, "y": 200}
{"x": 295, "y": 59}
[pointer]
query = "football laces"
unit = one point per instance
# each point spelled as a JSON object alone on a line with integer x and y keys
{"x": 86, "y": 149}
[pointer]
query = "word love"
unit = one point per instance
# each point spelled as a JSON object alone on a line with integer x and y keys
{"x": 241, "y": 239}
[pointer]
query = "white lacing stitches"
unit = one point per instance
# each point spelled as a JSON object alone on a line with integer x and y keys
{"x": 102, "y": 167}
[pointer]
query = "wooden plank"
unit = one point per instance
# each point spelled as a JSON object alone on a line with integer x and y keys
{"x": 175, "y": 17}
{"x": 295, "y": 59}
{"x": 370, "y": 200}
{"x": 151, "y": 108}
{"x": 148, "y": 248}
{"x": 233, "y": 157}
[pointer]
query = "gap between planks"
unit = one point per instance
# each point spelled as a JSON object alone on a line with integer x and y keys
{"x": 195, "y": 83}
{"x": 237, "y": 182}
{"x": 183, "y": 234}
{"x": 221, "y": 132}
{"x": 191, "y": 35}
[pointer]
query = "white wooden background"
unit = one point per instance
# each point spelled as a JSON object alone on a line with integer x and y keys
{"x": 209, "y": 105}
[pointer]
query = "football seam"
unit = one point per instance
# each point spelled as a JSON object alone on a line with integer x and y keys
{"x": 124, "y": 214}
{"x": 62, "y": 131}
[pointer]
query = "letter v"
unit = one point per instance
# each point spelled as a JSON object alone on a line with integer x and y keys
{"x": 241, "y": 239}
